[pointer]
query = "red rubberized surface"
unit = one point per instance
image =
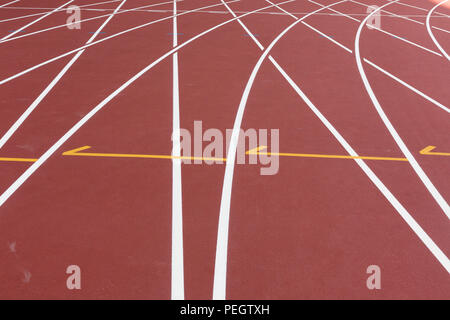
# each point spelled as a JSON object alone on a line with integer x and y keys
{"x": 308, "y": 232}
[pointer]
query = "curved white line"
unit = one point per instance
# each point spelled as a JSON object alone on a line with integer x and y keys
{"x": 7, "y": 4}
{"x": 430, "y": 32}
{"x": 415, "y": 165}
{"x": 177, "y": 272}
{"x": 24, "y": 177}
{"x": 219, "y": 292}
{"x": 220, "y": 270}
{"x": 406, "y": 85}
{"x": 17, "y": 75}
{"x": 81, "y": 21}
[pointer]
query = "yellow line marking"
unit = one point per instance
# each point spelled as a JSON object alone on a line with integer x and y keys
{"x": 426, "y": 151}
{"x": 18, "y": 159}
{"x": 76, "y": 152}
{"x": 311, "y": 155}
{"x": 255, "y": 150}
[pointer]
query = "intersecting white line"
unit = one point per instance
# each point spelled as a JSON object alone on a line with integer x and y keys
{"x": 33, "y": 22}
{"x": 84, "y": 20}
{"x": 62, "y": 9}
{"x": 410, "y": 87}
{"x": 52, "y": 84}
{"x": 386, "y": 32}
{"x": 17, "y": 75}
{"x": 412, "y": 161}
{"x": 430, "y": 32}
{"x": 219, "y": 290}
{"x": 415, "y": 90}
{"x": 220, "y": 267}
{"x": 328, "y": 37}
{"x": 7, "y": 4}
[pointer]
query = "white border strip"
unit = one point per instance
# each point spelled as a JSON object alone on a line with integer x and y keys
{"x": 177, "y": 282}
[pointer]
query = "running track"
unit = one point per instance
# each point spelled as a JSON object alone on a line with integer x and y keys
{"x": 134, "y": 73}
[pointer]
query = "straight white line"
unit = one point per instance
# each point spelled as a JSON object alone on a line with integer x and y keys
{"x": 410, "y": 87}
{"x": 422, "y": 175}
{"x": 438, "y": 104}
{"x": 84, "y": 20}
{"x": 407, "y": 41}
{"x": 33, "y": 22}
{"x": 243, "y": 25}
{"x": 394, "y": 14}
{"x": 430, "y": 32}
{"x": 52, "y": 84}
{"x": 408, "y": 5}
{"x": 102, "y": 40}
{"x": 36, "y": 165}
{"x": 6, "y": 4}
{"x": 274, "y": 13}
{"x": 390, "y": 14}
{"x": 331, "y": 9}
{"x": 281, "y": 9}
{"x": 422, "y": 235}
{"x": 177, "y": 283}
{"x": 220, "y": 269}
{"x": 62, "y": 9}
{"x": 440, "y": 29}
{"x": 328, "y": 37}
{"x": 386, "y": 32}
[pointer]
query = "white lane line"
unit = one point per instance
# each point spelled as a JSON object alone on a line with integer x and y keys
{"x": 421, "y": 234}
{"x": 177, "y": 283}
{"x": 417, "y": 229}
{"x": 33, "y": 22}
{"x": 84, "y": 20}
{"x": 440, "y": 29}
{"x": 36, "y": 165}
{"x": 423, "y": 9}
{"x": 220, "y": 270}
{"x": 331, "y": 9}
{"x": 419, "y": 22}
{"x": 391, "y": 13}
{"x": 436, "y": 103}
{"x": 52, "y": 84}
{"x": 7, "y": 4}
{"x": 430, "y": 32}
{"x": 17, "y": 75}
{"x": 328, "y": 37}
{"x": 407, "y": 41}
{"x": 415, "y": 165}
{"x": 63, "y": 9}
{"x": 386, "y": 32}
{"x": 281, "y": 9}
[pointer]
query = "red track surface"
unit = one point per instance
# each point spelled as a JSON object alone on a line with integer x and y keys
{"x": 308, "y": 232}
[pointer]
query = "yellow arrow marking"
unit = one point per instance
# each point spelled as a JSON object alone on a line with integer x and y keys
{"x": 427, "y": 150}
{"x": 18, "y": 159}
{"x": 76, "y": 152}
{"x": 310, "y": 155}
